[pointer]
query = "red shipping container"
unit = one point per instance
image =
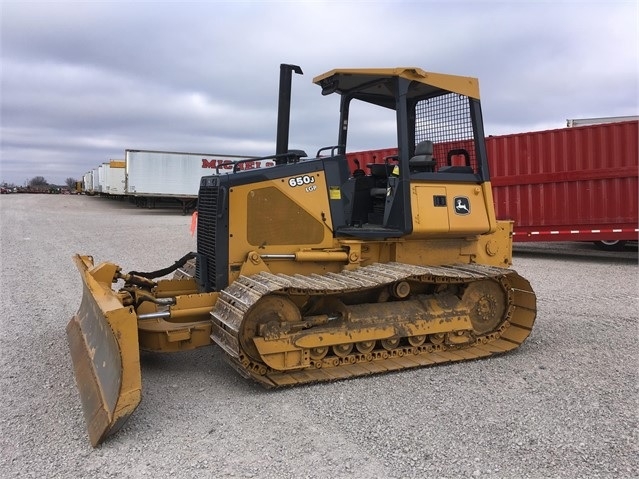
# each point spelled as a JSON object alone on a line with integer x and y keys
{"x": 568, "y": 184}
{"x": 367, "y": 158}
{"x": 575, "y": 183}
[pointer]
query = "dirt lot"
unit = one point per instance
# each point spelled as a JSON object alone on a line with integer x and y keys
{"x": 565, "y": 404}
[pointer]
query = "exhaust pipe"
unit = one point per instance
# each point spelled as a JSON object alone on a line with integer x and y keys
{"x": 284, "y": 109}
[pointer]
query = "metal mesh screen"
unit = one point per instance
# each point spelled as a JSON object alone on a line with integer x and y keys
{"x": 445, "y": 120}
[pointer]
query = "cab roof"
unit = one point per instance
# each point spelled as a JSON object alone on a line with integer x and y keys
{"x": 372, "y": 84}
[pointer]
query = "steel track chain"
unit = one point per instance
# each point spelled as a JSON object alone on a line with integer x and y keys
{"x": 242, "y": 294}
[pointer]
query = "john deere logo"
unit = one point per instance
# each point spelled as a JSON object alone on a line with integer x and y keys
{"x": 462, "y": 205}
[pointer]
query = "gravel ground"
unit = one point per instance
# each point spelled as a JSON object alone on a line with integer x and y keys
{"x": 565, "y": 404}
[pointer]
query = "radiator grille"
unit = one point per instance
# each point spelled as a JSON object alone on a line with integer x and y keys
{"x": 205, "y": 271}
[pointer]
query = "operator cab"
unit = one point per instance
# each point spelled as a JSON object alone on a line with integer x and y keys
{"x": 440, "y": 140}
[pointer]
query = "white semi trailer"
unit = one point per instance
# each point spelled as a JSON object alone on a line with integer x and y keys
{"x": 159, "y": 175}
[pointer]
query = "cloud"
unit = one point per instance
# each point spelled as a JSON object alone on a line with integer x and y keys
{"x": 83, "y": 81}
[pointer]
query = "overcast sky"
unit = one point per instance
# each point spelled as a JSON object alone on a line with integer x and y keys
{"x": 83, "y": 81}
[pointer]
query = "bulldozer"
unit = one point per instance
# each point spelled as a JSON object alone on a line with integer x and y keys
{"x": 312, "y": 271}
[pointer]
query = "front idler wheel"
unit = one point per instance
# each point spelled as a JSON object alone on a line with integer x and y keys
{"x": 270, "y": 314}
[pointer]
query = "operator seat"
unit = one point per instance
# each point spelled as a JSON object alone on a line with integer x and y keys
{"x": 423, "y": 160}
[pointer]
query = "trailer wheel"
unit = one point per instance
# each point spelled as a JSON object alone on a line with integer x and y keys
{"x": 611, "y": 245}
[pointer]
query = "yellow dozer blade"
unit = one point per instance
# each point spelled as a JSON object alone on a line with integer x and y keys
{"x": 103, "y": 339}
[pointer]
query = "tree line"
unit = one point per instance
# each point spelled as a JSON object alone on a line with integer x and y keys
{"x": 40, "y": 182}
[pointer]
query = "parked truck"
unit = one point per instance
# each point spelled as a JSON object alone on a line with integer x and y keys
{"x": 115, "y": 177}
{"x": 152, "y": 175}
{"x": 87, "y": 183}
{"x": 95, "y": 181}
{"x": 577, "y": 183}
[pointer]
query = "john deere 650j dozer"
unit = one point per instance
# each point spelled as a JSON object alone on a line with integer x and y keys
{"x": 308, "y": 272}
